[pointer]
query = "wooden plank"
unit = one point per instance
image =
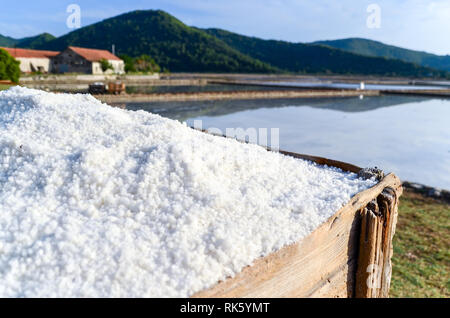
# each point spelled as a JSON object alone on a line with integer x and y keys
{"x": 324, "y": 161}
{"x": 379, "y": 219}
{"x": 333, "y": 261}
{"x": 323, "y": 264}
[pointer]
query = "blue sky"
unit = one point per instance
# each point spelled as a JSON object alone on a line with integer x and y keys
{"x": 416, "y": 24}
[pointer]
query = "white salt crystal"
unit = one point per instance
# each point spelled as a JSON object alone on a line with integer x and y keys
{"x": 101, "y": 202}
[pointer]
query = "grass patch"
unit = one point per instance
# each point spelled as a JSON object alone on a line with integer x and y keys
{"x": 4, "y": 86}
{"x": 421, "y": 257}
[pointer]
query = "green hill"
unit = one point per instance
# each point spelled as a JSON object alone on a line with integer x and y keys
{"x": 7, "y": 41}
{"x": 307, "y": 58}
{"x": 31, "y": 42}
{"x": 374, "y": 48}
{"x": 181, "y": 48}
{"x": 35, "y": 41}
{"x": 171, "y": 43}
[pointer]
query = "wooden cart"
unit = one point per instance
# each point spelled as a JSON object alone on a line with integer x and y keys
{"x": 116, "y": 88}
{"x": 347, "y": 256}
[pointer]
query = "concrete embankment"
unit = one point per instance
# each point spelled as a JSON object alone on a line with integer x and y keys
{"x": 233, "y": 95}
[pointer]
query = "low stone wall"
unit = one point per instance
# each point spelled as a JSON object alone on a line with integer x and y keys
{"x": 87, "y": 78}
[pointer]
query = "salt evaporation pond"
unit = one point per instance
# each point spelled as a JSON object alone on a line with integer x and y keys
{"x": 407, "y": 135}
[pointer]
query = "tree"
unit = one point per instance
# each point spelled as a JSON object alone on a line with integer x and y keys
{"x": 129, "y": 63}
{"x": 146, "y": 64}
{"x": 106, "y": 65}
{"x": 140, "y": 64}
{"x": 9, "y": 67}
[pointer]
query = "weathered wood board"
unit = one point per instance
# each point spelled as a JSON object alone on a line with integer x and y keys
{"x": 347, "y": 256}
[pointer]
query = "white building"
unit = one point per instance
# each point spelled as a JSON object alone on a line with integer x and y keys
{"x": 33, "y": 60}
{"x": 82, "y": 60}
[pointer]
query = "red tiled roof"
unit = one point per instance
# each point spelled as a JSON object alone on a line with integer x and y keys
{"x": 94, "y": 55}
{"x": 15, "y": 52}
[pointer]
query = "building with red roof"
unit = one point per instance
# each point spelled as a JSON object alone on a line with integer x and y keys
{"x": 72, "y": 60}
{"x": 82, "y": 60}
{"x": 32, "y": 60}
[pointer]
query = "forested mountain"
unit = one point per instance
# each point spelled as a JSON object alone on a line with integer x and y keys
{"x": 310, "y": 58}
{"x": 35, "y": 41}
{"x": 170, "y": 42}
{"x": 31, "y": 42}
{"x": 7, "y": 41}
{"x": 375, "y": 48}
{"x": 181, "y": 48}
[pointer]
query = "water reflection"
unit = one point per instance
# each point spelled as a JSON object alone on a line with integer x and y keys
{"x": 160, "y": 89}
{"x": 185, "y": 110}
{"x": 407, "y": 135}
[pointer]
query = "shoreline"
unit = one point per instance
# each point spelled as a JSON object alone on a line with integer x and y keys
{"x": 267, "y": 94}
{"x": 427, "y": 191}
{"x": 445, "y": 93}
{"x": 188, "y": 96}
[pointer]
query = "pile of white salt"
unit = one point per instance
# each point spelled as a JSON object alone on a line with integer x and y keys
{"x": 102, "y": 202}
